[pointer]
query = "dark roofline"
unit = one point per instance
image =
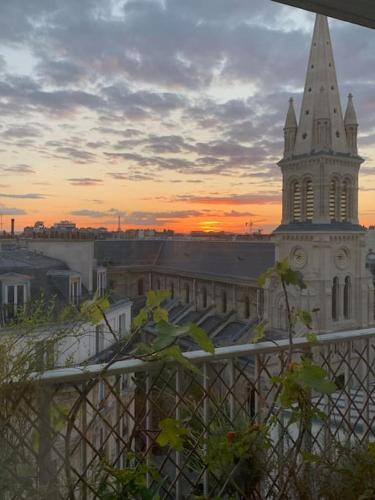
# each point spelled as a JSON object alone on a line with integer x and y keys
{"x": 308, "y": 227}
{"x": 222, "y": 278}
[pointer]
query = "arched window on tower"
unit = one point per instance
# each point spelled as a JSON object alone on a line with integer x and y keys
{"x": 335, "y": 299}
{"x": 333, "y": 199}
{"x": 224, "y": 302}
{"x": 308, "y": 197}
{"x": 347, "y": 297}
{"x": 296, "y": 201}
{"x": 204, "y": 297}
{"x": 345, "y": 200}
{"x": 140, "y": 286}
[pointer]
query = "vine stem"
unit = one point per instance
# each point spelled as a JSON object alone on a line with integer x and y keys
{"x": 290, "y": 320}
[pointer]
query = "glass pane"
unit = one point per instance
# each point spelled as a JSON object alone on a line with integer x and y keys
{"x": 20, "y": 295}
{"x": 10, "y": 294}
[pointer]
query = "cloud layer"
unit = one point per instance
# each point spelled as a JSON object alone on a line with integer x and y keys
{"x": 179, "y": 101}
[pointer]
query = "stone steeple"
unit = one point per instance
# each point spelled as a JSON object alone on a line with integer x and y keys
{"x": 321, "y": 125}
{"x": 319, "y": 232}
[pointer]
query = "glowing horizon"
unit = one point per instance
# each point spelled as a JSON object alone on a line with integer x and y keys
{"x": 169, "y": 114}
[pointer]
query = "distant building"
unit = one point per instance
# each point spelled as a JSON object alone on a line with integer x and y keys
{"x": 27, "y": 276}
{"x": 65, "y": 226}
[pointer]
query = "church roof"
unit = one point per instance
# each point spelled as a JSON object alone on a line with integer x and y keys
{"x": 239, "y": 261}
{"x": 321, "y": 98}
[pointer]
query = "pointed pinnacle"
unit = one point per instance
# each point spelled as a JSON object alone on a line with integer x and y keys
{"x": 291, "y": 120}
{"x": 350, "y": 114}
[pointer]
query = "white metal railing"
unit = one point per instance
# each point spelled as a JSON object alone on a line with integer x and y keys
{"x": 77, "y": 374}
{"x": 86, "y": 417}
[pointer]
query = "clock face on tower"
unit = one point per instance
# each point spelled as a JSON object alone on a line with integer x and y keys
{"x": 298, "y": 258}
{"x": 342, "y": 258}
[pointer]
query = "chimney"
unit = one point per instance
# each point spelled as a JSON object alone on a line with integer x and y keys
{"x": 12, "y": 228}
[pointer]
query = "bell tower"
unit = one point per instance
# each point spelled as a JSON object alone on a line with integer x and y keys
{"x": 319, "y": 231}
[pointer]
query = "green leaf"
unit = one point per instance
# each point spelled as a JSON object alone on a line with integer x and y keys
{"x": 142, "y": 349}
{"x": 155, "y": 297}
{"x": 160, "y": 314}
{"x": 174, "y": 353}
{"x": 259, "y": 332}
{"x": 200, "y": 337}
{"x": 310, "y": 457}
{"x": 315, "y": 377}
{"x": 291, "y": 277}
{"x": 140, "y": 319}
{"x": 94, "y": 309}
{"x": 305, "y": 318}
{"x": 171, "y": 434}
{"x": 167, "y": 333}
{"x": 262, "y": 278}
{"x": 312, "y": 338}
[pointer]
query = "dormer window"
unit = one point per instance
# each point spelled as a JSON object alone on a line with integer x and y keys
{"x": 15, "y": 293}
{"x": 15, "y": 296}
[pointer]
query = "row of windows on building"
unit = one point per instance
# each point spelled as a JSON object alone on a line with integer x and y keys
{"x": 340, "y": 305}
{"x": 340, "y": 200}
{"x": 186, "y": 296}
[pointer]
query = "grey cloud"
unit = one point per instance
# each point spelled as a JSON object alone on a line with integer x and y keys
{"x": 234, "y": 213}
{"x": 131, "y": 176}
{"x": 129, "y": 102}
{"x": 233, "y": 199}
{"x": 29, "y": 196}
{"x": 27, "y": 95}
{"x": 60, "y": 72}
{"x": 84, "y": 181}
{"x": 21, "y": 132}
{"x": 118, "y": 176}
{"x": 95, "y": 214}
{"x": 18, "y": 169}
{"x": 96, "y": 144}
{"x": 140, "y": 217}
{"x": 129, "y": 132}
{"x": 159, "y": 218}
{"x": 168, "y": 144}
{"x": 78, "y": 155}
{"x": 11, "y": 211}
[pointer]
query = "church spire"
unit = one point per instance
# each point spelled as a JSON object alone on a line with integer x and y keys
{"x": 321, "y": 125}
{"x": 351, "y": 126}
{"x": 290, "y": 130}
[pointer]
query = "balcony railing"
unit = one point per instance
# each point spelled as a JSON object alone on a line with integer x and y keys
{"x": 60, "y": 436}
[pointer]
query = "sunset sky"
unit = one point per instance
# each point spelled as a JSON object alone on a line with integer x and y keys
{"x": 166, "y": 112}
